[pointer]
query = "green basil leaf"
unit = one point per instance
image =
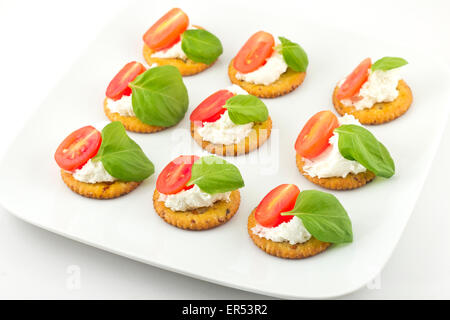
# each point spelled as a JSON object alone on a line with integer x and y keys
{"x": 121, "y": 156}
{"x": 294, "y": 55}
{"x": 159, "y": 96}
{"x": 215, "y": 175}
{"x": 388, "y": 63}
{"x": 245, "y": 108}
{"x": 323, "y": 216}
{"x": 358, "y": 143}
{"x": 201, "y": 46}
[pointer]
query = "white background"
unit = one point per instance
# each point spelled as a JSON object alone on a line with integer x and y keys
{"x": 38, "y": 42}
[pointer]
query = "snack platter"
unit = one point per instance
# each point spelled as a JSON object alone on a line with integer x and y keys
{"x": 31, "y": 187}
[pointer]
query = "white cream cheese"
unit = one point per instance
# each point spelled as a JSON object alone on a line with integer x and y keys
{"x": 192, "y": 199}
{"x": 93, "y": 172}
{"x": 292, "y": 231}
{"x": 268, "y": 73}
{"x": 381, "y": 86}
{"x": 123, "y": 106}
{"x": 224, "y": 131}
{"x": 331, "y": 163}
{"x": 174, "y": 52}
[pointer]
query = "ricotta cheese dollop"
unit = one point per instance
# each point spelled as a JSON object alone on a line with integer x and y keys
{"x": 270, "y": 72}
{"x": 192, "y": 199}
{"x": 292, "y": 231}
{"x": 331, "y": 163}
{"x": 224, "y": 131}
{"x": 93, "y": 172}
{"x": 123, "y": 106}
{"x": 381, "y": 86}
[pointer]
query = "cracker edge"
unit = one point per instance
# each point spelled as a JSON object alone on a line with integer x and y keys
{"x": 195, "y": 219}
{"x": 285, "y": 250}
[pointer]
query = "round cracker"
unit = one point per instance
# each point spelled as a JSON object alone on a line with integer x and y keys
{"x": 287, "y": 82}
{"x": 259, "y": 134}
{"x": 380, "y": 112}
{"x": 130, "y": 123}
{"x": 100, "y": 190}
{"x": 351, "y": 181}
{"x": 201, "y": 218}
{"x": 285, "y": 249}
{"x": 186, "y": 68}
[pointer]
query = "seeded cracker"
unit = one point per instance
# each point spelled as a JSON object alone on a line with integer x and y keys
{"x": 100, "y": 190}
{"x": 287, "y": 82}
{"x": 201, "y": 218}
{"x": 351, "y": 181}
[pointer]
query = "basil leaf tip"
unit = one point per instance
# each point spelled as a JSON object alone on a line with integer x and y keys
{"x": 323, "y": 216}
{"x": 201, "y": 46}
{"x": 359, "y": 144}
{"x": 294, "y": 55}
{"x": 244, "y": 108}
{"x": 215, "y": 175}
{"x": 121, "y": 156}
{"x": 159, "y": 97}
{"x": 388, "y": 63}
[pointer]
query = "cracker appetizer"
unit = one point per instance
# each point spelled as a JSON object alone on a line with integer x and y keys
{"x": 374, "y": 93}
{"x": 197, "y": 193}
{"x": 294, "y": 225}
{"x": 102, "y": 165}
{"x": 146, "y": 101}
{"x": 173, "y": 41}
{"x": 267, "y": 68}
{"x": 339, "y": 153}
{"x": 230, "y": 122}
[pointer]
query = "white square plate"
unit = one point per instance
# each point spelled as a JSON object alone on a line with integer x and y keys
{"x": 31, "y": 188}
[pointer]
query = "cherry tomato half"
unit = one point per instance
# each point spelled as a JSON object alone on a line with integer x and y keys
{"x": 355, "y": 80}
{"x": 78, "y": 148}
{"x": 119, "y": 84}
{"x": 279, "y": 200}
{"x": 176, "y": 175}
{"x": 254, "y": 52}
{"x": 211, "y": 108}
{"x": 315, "y": 135}
{"x": 167, "y": 30}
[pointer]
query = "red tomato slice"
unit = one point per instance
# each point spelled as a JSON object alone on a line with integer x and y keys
{"x": 167, "y": 30}
{"x": 78, "y": 148}
{"x": 279, "y": 200}
{"x": 176, "y": 175}
{"x": 355, "y": 80}
{"x": 119, "y": 84}
{"x": 254, "y": 52}
{"x": 211, "y": 108}
{"x": 315, "y": 135}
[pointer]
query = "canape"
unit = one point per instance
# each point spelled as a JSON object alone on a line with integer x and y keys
{"x": 267, "y": 68}
{"x": 173, "y": 41}
{"x": 102, "y": 165}
{"x": 291, "y": 224}
{"x": 197, "y": 193}
{"x": 230, "y": 122}
{"x": 339, "y": 153}
{"x": 146, "y": 101}
{"x": 374, "y": 93}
